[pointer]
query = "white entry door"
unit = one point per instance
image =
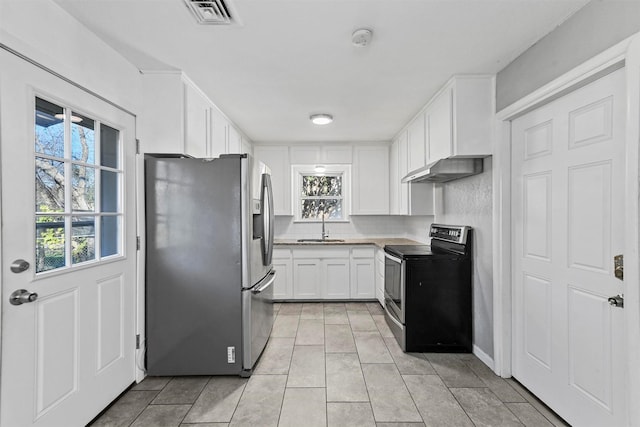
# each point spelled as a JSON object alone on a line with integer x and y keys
{"x": 68, "y": 210}
{"x": 568, "y": 214}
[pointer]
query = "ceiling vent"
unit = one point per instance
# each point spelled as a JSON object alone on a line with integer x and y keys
{"x": 215, "y": 12}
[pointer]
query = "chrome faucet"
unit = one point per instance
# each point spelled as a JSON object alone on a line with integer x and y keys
{"x": 325, "y": 234}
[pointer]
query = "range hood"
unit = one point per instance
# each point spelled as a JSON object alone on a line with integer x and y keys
{"x": 446, "y": 170}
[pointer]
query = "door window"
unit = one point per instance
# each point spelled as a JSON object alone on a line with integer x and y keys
{"x": 78, "y": 183}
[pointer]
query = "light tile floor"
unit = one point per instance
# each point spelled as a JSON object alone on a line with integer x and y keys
{"x": 335, "y": 364}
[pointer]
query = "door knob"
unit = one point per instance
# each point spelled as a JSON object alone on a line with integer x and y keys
{"x": 617, "y": 301}
{"x": 19, "y": 265}
{"x": 22, "y": 296}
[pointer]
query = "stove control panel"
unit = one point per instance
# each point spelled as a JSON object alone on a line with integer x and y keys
{"x": 449, "y": 233}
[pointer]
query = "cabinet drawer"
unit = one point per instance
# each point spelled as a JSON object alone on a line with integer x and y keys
{"x": 325, "y": 252}
{"x": 281, "y": 253}
{"x": 367, "y": 252}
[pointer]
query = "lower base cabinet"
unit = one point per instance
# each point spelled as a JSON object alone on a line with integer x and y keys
{"x": 283, "y": 264}
{"x": 326, "y": 273}
{"x": 380, "y": 276}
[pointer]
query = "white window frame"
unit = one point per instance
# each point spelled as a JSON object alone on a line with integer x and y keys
{"x": 298, "y": 171}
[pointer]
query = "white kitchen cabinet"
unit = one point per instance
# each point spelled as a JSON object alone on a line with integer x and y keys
{"x": 325, "y": 154}
{"x": 277, "y": 158}
{"x": 363, "y": 281}
{"x": 380, "y": 275}
{"x": 234, "y": 140}
{"x": 370, "y": 194}
{"x": 179, "y": 118}
{"x": 460, "y": 119}
{"x": 161, "y": 127}
{"x": 394, "y": 178}
{"x": 335, "y": 278}
{"x": 306, "y": 278}
{"x": 247, "y": 147}
{"x": 219, "y": 130}
{"x": 416, "y": 134}
{"x": 197, "y": 110}
{"x": 283, "y": 264}
{"x": 406, "y": 198}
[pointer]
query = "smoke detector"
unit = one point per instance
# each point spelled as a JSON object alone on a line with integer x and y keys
{"x": 361, "y": 37}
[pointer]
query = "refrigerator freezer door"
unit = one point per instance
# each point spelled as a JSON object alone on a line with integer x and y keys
{"x": 257, "y": 320}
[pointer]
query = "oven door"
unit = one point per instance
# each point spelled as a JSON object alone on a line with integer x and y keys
{"x": 394, "y": 286}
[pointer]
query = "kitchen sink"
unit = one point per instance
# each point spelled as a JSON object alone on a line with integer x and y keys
{"x": 320, "y": 240}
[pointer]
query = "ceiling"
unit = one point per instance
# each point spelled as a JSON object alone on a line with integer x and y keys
{"x": 290, "y": 58}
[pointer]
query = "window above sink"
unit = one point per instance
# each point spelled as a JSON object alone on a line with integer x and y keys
{"x": 321, "y": 193}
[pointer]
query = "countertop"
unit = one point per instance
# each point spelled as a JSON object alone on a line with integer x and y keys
{"x": 378, "y": 241}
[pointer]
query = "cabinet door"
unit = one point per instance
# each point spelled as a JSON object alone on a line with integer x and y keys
{"x": 277, "y": 158}
{"x": 337, "y": 154}
{"x": 247, "y": 147}
{"x": 234, "y": 141}
{"x": 416, "y": 134}
{"x": 306, "y": 278}
{"x": 219, "y": 130}
{"x": 380, "y": 276}
{"x": 403, "y": 168}
{"x": 335, "y": 278}
{"x": 370, "y": 195}
{"x": 196, "y": 122}
{"x": 394, "y": 179}
{"x": 283, "y": 286}
{"x": 363, "y": 279}
{"x": 305, "y": 155}
{"x": 441, "y": 126}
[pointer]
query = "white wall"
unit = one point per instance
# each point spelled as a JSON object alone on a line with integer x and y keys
{"x": 359, "y": 226}
{"x": 469, "y": 202}
{"x": 45, "y": 33}
{"x": 591, "y": 30}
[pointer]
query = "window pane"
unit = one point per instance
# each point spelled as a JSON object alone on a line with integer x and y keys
{"x": 49, "y": 130}
{"x": 313, "y": 209}
{"x": 50, "y": 253}
{"x": 49, "y": 185}
{"x": 108, "y": 191}
{"x": 109, "y": 236}
{"x": 84, "y": 188}
{"x": 82, "y": 139}
{"x": 109, "y": 146}
{"x": 321, "y": 185}
{"x": 83, "y": 239}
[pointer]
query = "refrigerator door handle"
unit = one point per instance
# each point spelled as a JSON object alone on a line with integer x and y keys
{"x": 267, "y": 217}
{"x": 270, "y": 279}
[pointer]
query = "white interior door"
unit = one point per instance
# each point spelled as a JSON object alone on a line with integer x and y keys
{"x": 68, "y": 210}
{"x": 568, "y": 215}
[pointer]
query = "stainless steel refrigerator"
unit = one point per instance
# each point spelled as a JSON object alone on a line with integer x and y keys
{"x": 209, "y": 275}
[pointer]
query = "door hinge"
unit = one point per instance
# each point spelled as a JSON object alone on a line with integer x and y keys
{"x": 137, "y": 146}
{"x": 137, "y": 341}
{"x": 138, "y": 243}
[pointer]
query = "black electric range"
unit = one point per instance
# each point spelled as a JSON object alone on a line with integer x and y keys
{"x": 428, "y": 291}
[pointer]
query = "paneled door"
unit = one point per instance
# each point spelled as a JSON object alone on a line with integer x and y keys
{"x": 68, "y": 249}
{"x": 568, "y": 184}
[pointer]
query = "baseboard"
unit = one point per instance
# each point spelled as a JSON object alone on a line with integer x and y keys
{"x": 484, "y": 357}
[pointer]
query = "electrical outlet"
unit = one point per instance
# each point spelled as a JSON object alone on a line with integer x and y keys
{"x": 231, "y": 355}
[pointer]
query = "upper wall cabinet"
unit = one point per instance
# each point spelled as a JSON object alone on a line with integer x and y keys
{"x": 417, "y": 142}
{"x": 412, "y": 198}
{"x": 315, "y": 154}
{"x": 459, "y": 119}
{"x": 277, "y": 158}
{"x": 370, "y": 194}
{"x": 179, "y": 118}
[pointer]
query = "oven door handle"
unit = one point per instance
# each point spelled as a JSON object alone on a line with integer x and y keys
{"x": 393, "y": 317}
{"x": 392, "y": 258}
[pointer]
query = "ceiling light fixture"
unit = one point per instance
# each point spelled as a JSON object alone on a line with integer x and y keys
{"x": 361, "y": 37}
{"x": 321, "y": 119}
{"x": 320, "y": 169}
